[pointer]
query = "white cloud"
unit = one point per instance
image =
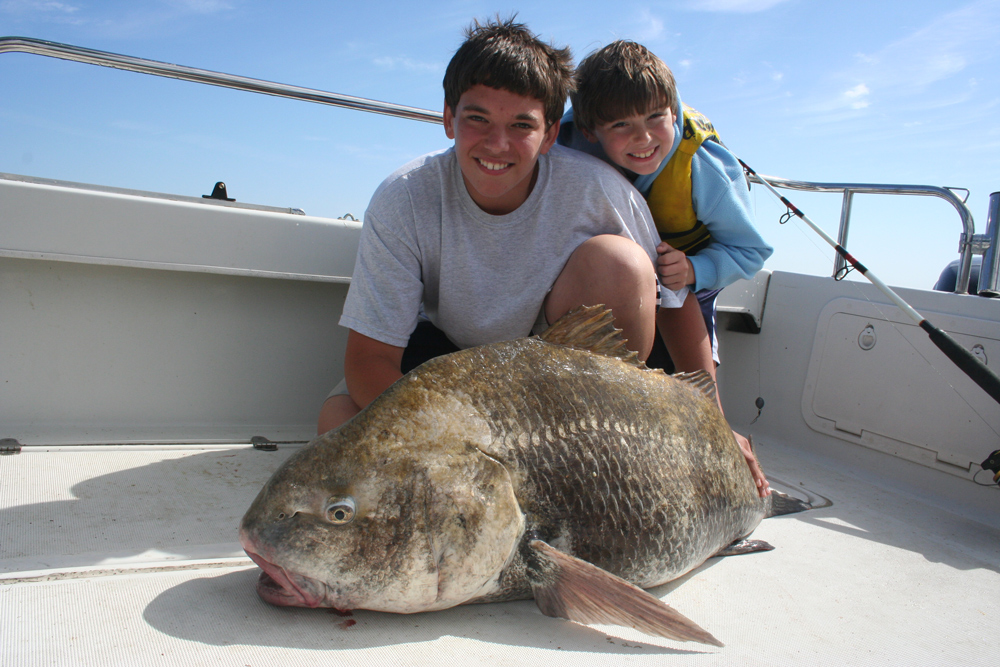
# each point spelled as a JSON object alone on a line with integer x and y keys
{"x": 37, "y": 6}
{"x": 941, "y": 49}
{"x": 201, "y": 6}
{"x": 408, "y": 64}
{"x": 733, "y": 6}
{"x": 919, "y": 71}
{"x": 857, "y": 91}
{"x": 136, "y": 21}
{"x": 652, "y": 27}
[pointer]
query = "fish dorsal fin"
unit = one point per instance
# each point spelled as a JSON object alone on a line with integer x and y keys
{"x": 591, "y": 328}
{"x": 700, "y": 380}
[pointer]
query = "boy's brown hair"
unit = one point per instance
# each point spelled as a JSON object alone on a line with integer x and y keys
{"x": 622, "y": 79}
{"x": 506, "y": 55}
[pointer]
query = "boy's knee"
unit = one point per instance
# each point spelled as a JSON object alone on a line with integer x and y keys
{"x": 611, "y": 270}
{"x": 616, "y": 272}
{"x": 611, "y": 259}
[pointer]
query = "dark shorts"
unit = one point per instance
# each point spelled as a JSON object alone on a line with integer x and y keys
{"x": 660, "y": 358}
{"x": 426, "y": 342}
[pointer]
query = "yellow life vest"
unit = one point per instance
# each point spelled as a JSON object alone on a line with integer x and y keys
{"x": 669, "y": 197}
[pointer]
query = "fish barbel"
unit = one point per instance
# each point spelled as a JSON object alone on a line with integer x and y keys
{"x": 556, "y": 467}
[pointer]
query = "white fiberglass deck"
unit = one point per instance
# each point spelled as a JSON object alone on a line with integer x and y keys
{"x": 125, "y": 556}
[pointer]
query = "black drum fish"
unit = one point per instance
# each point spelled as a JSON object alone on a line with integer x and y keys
{"x": 557, "y": 467}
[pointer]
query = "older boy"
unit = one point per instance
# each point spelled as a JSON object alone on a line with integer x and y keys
{"x": 500, "y": 233}
{"x": 626, "y": 110}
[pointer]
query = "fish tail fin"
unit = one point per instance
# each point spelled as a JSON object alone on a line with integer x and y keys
{"x": 570, "y": 588}
{"x": 782, "y": 503}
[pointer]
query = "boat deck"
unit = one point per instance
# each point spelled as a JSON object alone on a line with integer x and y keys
{"x": 128, "y": 555}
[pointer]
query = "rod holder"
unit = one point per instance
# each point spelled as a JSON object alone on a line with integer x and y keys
{"x": 989, "y": 274}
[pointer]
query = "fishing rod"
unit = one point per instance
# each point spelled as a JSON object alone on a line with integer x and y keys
{"x": 965, "y": 360}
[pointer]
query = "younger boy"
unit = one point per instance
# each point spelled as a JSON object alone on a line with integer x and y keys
{"x": 626, "y": 110}
{"x": 499, "y": 234}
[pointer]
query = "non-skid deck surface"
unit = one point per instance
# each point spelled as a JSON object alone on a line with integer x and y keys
{"x": 124, "y": 557}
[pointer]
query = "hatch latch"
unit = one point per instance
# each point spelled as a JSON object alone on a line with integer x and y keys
{"x": 992, "y": 463}
{"x": 263, "y": 444}
{"x": 9, "y": 446}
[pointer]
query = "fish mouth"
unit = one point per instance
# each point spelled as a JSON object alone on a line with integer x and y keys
{"x": 282, "y": 588}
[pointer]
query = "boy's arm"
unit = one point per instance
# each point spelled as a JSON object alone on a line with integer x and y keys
{"x": 722, "y": 202}
{"x": 370, "y": 366}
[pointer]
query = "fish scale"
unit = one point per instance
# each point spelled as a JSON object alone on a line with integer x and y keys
{"x": 647, "y": 543}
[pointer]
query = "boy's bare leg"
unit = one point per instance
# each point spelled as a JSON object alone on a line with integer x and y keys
{"x": 335, "y": 411}
{"x": 685, "y": 336}
{"x": 684, "y": 333}
{"x": 616, "y": 272}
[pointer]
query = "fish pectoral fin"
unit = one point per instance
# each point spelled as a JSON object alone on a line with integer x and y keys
{"x": 744, "y": 547}
{"x": 570, "y": 588}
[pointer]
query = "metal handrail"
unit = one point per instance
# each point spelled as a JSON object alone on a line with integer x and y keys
{"x": 156, "y": 68}
{"x": 967, "y": 246}
{"x": 143, "y": 66}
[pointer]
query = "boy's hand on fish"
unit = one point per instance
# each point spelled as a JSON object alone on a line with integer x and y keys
{"x": 763, "y": 488}
{"x": 673, "y": 267}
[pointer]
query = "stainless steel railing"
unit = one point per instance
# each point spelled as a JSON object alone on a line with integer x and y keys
{"x": 141, "y": 65}
{"x": 969, "y": 243}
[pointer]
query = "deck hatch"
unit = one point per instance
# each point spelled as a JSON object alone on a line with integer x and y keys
{"x": 870, "y": 396}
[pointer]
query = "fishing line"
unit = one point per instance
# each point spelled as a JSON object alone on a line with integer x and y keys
{"x": 759, "y": 403}
{"x": 811, "y": 240}
{"x": 965, "y": 360}
{"x": 841, "y": 275}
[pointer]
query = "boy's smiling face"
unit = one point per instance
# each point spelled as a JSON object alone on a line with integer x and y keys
{"x": 638, "y": 143}
{"x": 498, "y": 138}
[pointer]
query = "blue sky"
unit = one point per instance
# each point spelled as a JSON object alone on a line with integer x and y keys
{"x": 888, "y": 92}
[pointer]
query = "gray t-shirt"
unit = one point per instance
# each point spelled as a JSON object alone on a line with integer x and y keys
{"x": 481, "y": 278}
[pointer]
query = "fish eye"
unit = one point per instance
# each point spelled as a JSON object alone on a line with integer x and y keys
{"x": 340, "y": 510}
